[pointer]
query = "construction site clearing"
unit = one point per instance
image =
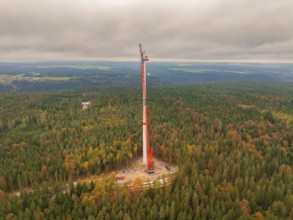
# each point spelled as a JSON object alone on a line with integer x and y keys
{"x": 162, "y": 174}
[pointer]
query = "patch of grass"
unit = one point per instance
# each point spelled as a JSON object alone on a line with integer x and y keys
{"x": 93, "y": 67}
{"x": 81, "y": 67}
{"x": 183, "y": 64}
{"x": 61, "y": 78}
{"x": 187, "y": 70}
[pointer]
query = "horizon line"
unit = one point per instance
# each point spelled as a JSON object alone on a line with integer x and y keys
{"x": 157, "y": 60}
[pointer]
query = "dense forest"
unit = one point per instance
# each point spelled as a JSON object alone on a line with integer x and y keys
{"x": 233, "y": 144}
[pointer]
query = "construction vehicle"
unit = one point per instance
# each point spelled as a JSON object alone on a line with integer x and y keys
{"x": 119, "y": 177}
{"x": 168, "y": 167}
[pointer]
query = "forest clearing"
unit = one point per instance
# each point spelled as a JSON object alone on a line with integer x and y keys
{"x": 134, "y": 176}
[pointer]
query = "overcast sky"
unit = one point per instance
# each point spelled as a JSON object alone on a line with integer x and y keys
{"x": 240, "y": 30}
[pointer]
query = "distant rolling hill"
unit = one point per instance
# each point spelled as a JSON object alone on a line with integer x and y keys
{"x": 43, "y": 76}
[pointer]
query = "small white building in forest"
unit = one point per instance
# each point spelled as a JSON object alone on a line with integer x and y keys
{"x": 85, "y": 105}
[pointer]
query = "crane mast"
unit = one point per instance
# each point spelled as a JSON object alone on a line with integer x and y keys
{"x": 147, "y": 150}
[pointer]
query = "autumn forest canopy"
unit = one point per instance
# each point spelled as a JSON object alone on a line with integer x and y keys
{"x": 232, "y": 142}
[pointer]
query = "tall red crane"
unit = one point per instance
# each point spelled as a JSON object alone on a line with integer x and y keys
{"x": 147, "y": 149}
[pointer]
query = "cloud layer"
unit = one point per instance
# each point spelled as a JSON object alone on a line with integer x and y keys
{"x": 170, "y": 30}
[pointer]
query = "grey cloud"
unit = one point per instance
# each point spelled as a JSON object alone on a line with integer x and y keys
{"x": 169, "y": 29}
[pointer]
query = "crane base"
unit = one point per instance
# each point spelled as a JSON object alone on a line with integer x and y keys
{"x": 149, "y": 171}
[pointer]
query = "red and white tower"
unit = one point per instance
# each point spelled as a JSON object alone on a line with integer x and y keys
{"x": 147, "y": 150}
